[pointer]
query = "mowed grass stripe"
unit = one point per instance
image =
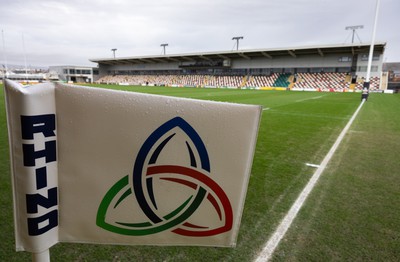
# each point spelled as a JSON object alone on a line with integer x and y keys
{"x": 285, "y": 143}
{"x": 287, "y": 221}
{"x": 353, "y": 213}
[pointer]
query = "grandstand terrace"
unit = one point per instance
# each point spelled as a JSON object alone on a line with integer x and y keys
{"x": 313, "y": 68}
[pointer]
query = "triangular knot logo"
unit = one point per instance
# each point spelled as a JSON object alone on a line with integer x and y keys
{"x": 169, "y": 189}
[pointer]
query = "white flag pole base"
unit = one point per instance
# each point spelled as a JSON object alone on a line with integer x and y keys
{"x": 41, "y": 257}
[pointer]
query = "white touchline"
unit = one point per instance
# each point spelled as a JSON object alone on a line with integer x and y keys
{"x": 281, "y": 230}
{"x": 267, "y": 108}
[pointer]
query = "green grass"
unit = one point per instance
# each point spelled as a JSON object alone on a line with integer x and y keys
{"x": 353, "y": 214}
{"x": 296, "y": 129}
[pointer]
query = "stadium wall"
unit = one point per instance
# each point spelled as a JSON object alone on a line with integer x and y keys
{"x": 310, "y": 61}
{"x": 376, "y": 66}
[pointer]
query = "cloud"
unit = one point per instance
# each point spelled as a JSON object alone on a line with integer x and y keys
{"x": 71, "y": 32}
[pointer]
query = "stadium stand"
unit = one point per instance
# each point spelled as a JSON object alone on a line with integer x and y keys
{"x": 311, "y": 68}
{"x": 225, "y": 81}
{"x": 330, "y": 82}
{"x": 322, "y": 81}
{"x": 374, "y": 83}
{"x": 261, "y": 81}
{"x": 282, "y": 81}
{"x": 333, "y": 82}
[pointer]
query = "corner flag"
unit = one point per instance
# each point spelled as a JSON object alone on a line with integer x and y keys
{"x": 100, "y": 166}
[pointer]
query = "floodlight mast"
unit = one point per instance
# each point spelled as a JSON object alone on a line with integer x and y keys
{"x": 354, "y": 28}
{"x": 163, "y": 46}
{"x": 237, "y": 38}
{"x": 113, "y": 50}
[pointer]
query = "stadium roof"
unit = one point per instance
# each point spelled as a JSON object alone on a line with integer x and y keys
{"x": 247, "y": 54}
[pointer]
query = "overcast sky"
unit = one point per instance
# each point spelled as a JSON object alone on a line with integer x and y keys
{"x": 70, "y": 32}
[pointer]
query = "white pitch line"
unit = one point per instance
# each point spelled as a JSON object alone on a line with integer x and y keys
{"x": 267, "y": 108}
{"x": 281, "y": 230}
{"x": 315, "y": 97}
{"x": 312, "y": 165}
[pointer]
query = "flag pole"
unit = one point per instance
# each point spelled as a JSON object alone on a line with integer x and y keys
{"x": 365, "y": 91}
{"x": 41, "y": 257}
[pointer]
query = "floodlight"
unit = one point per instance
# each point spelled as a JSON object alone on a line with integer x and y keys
{"x": 237, "y": 38}
{"x": 113, "y": 50}
{"x": 354, "y": 28}
{"x": 164, "y": 45}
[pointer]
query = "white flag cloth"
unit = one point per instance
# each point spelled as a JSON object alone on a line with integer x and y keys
{"x": 92, "y": 165}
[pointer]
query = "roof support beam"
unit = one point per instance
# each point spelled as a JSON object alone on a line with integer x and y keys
{"x": 160, "y": 60}
{"x": 113, "y": 62}
{"x": 173, "y": 59}
{"x": 205, "y": 58}
{"x": 222, "y": 56}
{"x": 291, "y": 53}
{"x": 266, "y": 55}
{"x": 320, "y": 52}
{"x": 244, "y": 56}
{"x": 122, "y": 62}
{"x": 188, "y": 59}
{"x": 147, "y": 61}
